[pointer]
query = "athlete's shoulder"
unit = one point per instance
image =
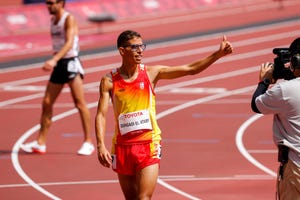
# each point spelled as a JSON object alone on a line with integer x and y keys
{"x": 106, "y": 81}
{"x": 155, "y": 68}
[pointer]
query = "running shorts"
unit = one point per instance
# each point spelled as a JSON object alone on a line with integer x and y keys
{"x": 129, "y": 159}
{"x": 66, "y": 70}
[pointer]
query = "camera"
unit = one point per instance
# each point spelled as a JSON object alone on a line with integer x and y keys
{"x": 283, "y": 56}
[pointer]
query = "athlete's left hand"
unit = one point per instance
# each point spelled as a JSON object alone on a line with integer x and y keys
{"x": 225, "y": 47}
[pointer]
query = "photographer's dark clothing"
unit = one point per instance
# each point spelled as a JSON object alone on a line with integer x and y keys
{"x": 261, "y": 89}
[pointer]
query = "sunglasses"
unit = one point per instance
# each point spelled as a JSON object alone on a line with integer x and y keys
{"x": 135, "y": 47}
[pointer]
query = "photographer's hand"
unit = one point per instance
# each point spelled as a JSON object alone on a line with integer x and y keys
{"x": 265, "y": 79}
{"x": 266, "y": 72}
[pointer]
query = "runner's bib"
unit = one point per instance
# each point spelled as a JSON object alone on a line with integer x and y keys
{"x": 135, "y": 121}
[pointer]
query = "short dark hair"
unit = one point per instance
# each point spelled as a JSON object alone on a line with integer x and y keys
{"x": 64, "y": 2}
{"x": 125, "y": 36}
{"x": 295, "y": 47}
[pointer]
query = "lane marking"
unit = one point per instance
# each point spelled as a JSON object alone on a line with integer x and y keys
{"x": 263, "y": 151}
{"x": 159, "y": 102}
{"x": 226, "y": 11}
{"x": 23, "y": 88}
{"x": 192, "y": 141}
{"x": 18, "y": 168}
{"x": 22, "y": 139}
{"x": 169, "y": 56}
{"x": 184, "y": 41}
{"x": 240, "y": 145}
{"x": 204, "y": 100}
{"x": 169, "y": 178}
{"x": 198, "y": 90}
{"x": 174, "y": 189}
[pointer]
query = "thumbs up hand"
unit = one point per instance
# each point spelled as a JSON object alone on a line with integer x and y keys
{"x": 225, "y": 47}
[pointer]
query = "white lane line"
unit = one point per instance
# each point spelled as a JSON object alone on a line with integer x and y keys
{"x": 159, "y": 102}
{"x": 22, "y": 139}
{"x": 257, "y": 151}
{"x": 38, "y": 95}
{"x": 185, "y": 41}
{"x": 172, "y": 188}
{"x": 23, "y": 88}
{"x": 169, "y": 178}
{"x": 193, "y": 103}
{"x": 197, "y": 90}
{"x": 167, "y": 87}
{"x": 21, "y": 99}
{"x": 204, "y": 100}
{"x": 18, "y": 168}
{"x": 164, "y": 113}
{"x": 228, "y": 9}
{"x": 34, "y": 129}
{"x": 240, "y": 145}
{"x": 164, "y": 57}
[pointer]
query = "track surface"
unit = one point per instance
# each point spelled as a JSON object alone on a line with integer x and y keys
{"x": 214, "y": 147}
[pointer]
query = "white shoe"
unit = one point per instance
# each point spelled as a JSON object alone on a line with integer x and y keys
{"x": 34, "y": 147}
{"x": 86, "y": 149}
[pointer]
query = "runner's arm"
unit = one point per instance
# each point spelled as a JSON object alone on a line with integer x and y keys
{"x": 104, "y": 156}
{"x": 166, "y": 72}
{"x": 71, "y": 30}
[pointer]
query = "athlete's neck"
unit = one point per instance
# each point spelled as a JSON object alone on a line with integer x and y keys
{"x": 128, "y": 70}
{"x": 58, "y": 15}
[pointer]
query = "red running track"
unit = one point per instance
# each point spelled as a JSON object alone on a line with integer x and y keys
{"x": 214, "y": 147}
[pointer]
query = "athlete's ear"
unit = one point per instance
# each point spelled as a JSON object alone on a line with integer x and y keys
{"x": 121, "y": 51}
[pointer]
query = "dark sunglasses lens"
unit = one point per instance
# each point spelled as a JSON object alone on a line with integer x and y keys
{"x": 49, "y": 3}
{"x": 136, "y": 47}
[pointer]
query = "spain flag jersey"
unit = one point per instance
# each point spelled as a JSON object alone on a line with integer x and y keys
{"x": 134, "y": 109}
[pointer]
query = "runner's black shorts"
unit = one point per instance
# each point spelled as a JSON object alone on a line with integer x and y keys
{"x": 66, "y": 70}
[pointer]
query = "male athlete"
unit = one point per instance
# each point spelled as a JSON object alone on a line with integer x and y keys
{"x": 136, "y": 148}
{"x": 66, "y": 69}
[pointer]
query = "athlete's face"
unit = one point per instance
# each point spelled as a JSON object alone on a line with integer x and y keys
{"x": 133, "y": 50}
{"x": 53, "y": 6}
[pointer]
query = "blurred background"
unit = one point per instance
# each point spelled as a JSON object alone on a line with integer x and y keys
{"x": 176, "y": 32}
{"x": 24, "y": 24}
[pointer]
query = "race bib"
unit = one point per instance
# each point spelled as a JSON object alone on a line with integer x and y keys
{"x": 134, "y": 121}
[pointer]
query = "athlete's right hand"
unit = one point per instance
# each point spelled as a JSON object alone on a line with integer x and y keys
{"x": 104, "y": 157}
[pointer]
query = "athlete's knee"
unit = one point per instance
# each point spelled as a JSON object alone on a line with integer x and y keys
{"x": 138, "y": 197}
{"x": 145, "y": 196}
{"x": 81, "y": 106}
{"x": 47, "y": 104}
{"x": 145, "y": 193}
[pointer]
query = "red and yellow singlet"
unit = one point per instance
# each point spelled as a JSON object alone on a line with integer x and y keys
{"x": 134, "y": 109}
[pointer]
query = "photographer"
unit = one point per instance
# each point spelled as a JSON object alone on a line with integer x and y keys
{"x": 283, "y": 101}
